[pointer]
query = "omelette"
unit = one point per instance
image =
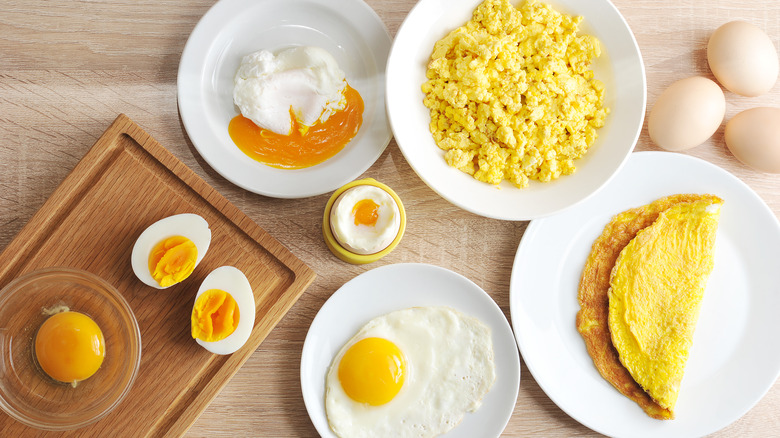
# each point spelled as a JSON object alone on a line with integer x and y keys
{"x": 622, "y": 280}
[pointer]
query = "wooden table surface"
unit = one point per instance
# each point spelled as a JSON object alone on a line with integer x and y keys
{"x": 68, "y": 67}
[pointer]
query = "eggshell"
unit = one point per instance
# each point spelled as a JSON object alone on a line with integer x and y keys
{"x": 743, "y": 58}
{"x": 686, "y": 114}
{"x": 753, "y": 136}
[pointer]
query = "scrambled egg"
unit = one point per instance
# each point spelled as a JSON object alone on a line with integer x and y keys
{"x": 511, "y": 94}
{"x": 656, "y": 290}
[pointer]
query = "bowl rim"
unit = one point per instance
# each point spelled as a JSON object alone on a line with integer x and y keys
{"x": 505, "y": 202}
{"x": 8, "y": 291}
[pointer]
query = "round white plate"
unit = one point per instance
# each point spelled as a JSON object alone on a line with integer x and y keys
{"x": 620, "y": 67}
{"x": 735, "y": 357}
{"x": 400, "y": 286}
{"x": 349, "y": 29}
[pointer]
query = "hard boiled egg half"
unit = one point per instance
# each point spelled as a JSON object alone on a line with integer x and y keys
{"x": 168, "y": 251}
{"x": 224, "y": 311}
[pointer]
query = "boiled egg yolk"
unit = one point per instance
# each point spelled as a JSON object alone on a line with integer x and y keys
{"x": 215, "y": 316}
{"x": 366, "y": 212}
{"x": 69, "y": 347}
{"x": 372, "y": 371}
{"x": 306, "y": 145}
{"x": 172, "y": 260}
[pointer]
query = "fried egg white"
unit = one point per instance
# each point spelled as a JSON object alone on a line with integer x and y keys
{"x": 414, "y": 372}
{"x": 365, "y": 219}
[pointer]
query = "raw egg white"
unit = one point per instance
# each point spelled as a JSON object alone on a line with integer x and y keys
{"x": 753, "y": 136}
{"x": 686, "y": 114}
{"x": 365, "y": 219}
{"x": 743, "y": 58}
{"x": 168, "y": 251}
{"x": 410, "y": 373}
{"x": 224, "y": 311}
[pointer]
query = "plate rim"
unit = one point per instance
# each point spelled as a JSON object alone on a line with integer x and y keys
{"x": 533, "y": 231}
{"x": 189, "y": 107}
{"x": 475, "y": 292}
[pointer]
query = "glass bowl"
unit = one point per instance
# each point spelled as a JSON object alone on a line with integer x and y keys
{"x": 30, "y": 396}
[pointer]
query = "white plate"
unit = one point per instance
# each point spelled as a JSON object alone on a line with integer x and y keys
{"x": 620, "y": 67}
{"x": 735, "y": 357}
{"x": 348, "y": 29}
{"x": 400, "y": 286}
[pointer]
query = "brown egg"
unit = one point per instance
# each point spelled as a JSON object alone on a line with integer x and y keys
{"x": 743, "y": 58}
{"x": 753, "y": 136}
{"x": 686, "y": 114}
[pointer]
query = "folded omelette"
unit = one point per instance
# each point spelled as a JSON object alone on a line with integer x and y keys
{"x": 640, "y": 294}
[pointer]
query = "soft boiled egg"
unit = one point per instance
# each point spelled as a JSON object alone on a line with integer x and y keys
{"x": 69, "y": 346}
{"x": 168, "y": 251}
{"x": 411, "y": 372}
{"x": 365, "y": 219}
{"x": 224, "y": 311}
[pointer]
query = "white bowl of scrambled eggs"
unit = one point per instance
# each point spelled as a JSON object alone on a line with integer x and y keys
{"x": 505, "y": 149}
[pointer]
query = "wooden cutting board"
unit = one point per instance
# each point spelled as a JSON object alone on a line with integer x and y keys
{"x": 126, "y": 182}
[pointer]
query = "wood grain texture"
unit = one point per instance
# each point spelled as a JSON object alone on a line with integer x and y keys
{"x": 67, "y": 68}
{"x": 126, "y": 182}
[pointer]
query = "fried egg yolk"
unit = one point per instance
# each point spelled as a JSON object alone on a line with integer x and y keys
{"x": 372, "y": 371}
{"x": 172, "y": 260}
{"x": 215, "y": 316}
{"x": 366, "y": 212}
{"x": 69, "y": 347}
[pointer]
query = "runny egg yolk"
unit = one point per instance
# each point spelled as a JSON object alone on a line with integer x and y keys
{"x": 366, "y": 212}
{"x": 306, "y": 145}
{"x": 69, "y": 347}
{"x": 215, "y": 316}
{"x": 372, "y": 371}
{"x": 172, "y": 260}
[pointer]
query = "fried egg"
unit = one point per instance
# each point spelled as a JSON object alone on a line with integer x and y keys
{"x": 656, "y": 290}
{"x": 224, "y": 311}
{"x": 412, "y": 372}
{"x": 365, "y": 219}
{"x": 168, "y": 251}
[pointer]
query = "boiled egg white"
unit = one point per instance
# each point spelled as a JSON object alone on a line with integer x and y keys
{"x": 168, "y": 251}
{"x": 410, "y": 373}
{"x": 365, "y": 219}
{"x": 224, "y": 311}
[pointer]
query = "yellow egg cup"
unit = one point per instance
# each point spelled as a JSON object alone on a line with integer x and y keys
{"x": 349, "y": 256}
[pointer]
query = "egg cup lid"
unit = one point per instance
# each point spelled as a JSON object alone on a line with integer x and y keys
{"x": 349, "y": 256}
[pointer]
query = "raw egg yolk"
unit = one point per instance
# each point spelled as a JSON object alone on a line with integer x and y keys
{"x": 172, "y": 260}
{"x": 306, "y": 145}
{"x": 215, "y": 316}
{"x": 366, "y": 212}
{"x": 372, "y": 371}
{"x": 69, "y": 347}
